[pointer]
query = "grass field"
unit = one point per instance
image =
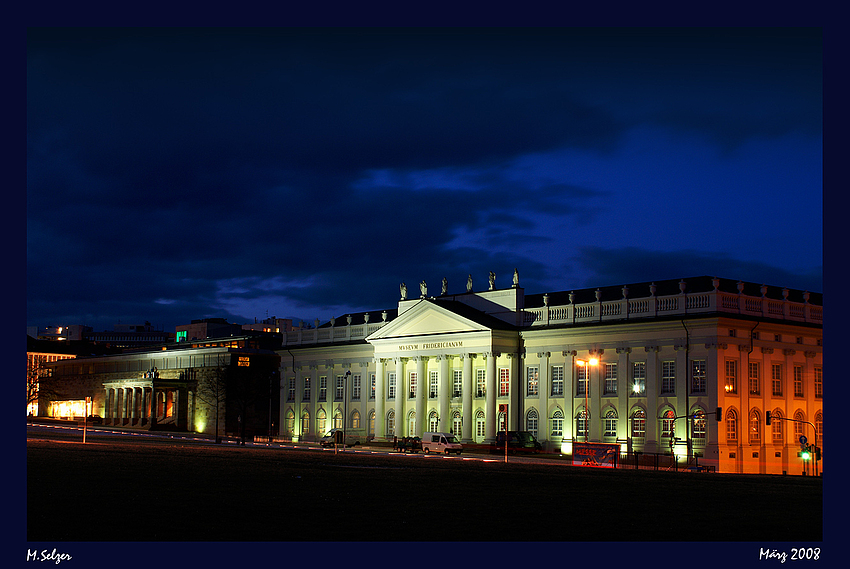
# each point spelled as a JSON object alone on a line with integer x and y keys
{"x": 141, "y": 491}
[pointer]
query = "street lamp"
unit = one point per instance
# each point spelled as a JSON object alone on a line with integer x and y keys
{"x": 586, "y": 365}
{"x": 344, "y": 404}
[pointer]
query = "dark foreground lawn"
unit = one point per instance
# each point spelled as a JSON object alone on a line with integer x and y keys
{"x": 140, "y": 491}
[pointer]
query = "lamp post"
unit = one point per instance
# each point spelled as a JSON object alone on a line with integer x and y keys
{"x": 344, "y": 405}
{"x": 586, "y": 365}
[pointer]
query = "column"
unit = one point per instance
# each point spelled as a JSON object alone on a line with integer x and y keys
{"x": 595, "y": 400}
{"x": 421, "y": 396}
{"x": 154, "y": 415}
{"x": 516, "y": 394}
{"x": 490, "y": 416}
{"x": 400, "y": 395}
{"x": 380, "y": 395}
{"x": 444, "y": 394}
{"x": 544, "y": 428}
{"x": 466, "y": 398}
{"x": 569, "y": 396}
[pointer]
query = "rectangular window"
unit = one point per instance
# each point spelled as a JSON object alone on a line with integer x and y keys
{"x": 581, "y": 380}
{"x": 776, "y": 379}
{"x": 754, "y": 378}
{"x": 639, "y": 378}
{"x": 698, "y": 429}
{"x": 610, "y": 379}
{"x": 306, "y": 389}
{"x": 340, "y": 387}
{"x": 819, "y": 382}
{"x": 323, "y": 388}
{"x": 668, "y": 377}
{"x": 480, "y": 382}
{"x": 433, "y": 383}
{"x": 355, "y": 388}
{"x": 798, "y": 381}
{"x": 504, "y": 382}
{"x": 532, "y": 381}
{"x": 412, "y": 384}
{"x": 698, "y": 376}
{"x": 391, "y": 385}
{"x": 457, "y": 383}
{"x": 372, "y": 380}
{"x": 557, "y": 380}
{"x": 731, "y": 376}
{"x": 291, "y": 396}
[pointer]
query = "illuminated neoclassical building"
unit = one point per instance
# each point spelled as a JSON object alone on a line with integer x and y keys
{"x": 645, "y": 365}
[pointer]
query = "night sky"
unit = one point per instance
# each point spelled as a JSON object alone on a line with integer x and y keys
{"x": 177, "y": 174}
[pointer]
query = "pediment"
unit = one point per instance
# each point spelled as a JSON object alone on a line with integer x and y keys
{"x": 426, "y": 319}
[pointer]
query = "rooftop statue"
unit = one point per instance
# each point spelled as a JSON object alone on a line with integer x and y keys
{"x": 492, "y": 280}
{"x": 445, "y": 286}
{"x": 403, "y": 289}
{"x": 469, "y": 283}
{"x": 423, "y": 288}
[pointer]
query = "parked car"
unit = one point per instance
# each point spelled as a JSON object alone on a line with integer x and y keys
{"x": 518, "y": 442}
{"x": 352, "y": 437}
{"x": 443, "y": 443}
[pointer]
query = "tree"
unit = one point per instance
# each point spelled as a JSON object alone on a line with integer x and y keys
{"x": 212, "y": 390}
{"x": 41, "y": 386}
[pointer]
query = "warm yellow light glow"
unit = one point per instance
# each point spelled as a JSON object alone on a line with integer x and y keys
{"x": 593, "y": 361}
{"x": 68, "y": 409}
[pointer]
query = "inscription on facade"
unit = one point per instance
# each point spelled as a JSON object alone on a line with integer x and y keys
{"x": 430, "y": 346}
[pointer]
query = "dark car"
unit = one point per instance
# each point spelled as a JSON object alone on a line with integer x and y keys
{"x": 518, "y": 442}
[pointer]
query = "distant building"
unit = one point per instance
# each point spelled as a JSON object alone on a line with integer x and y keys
{"x": 131, "y": 336}
{"x": 645, "y": 367}
{"x": 272, "y": 325}
{"x": 175, "y": 386}
{"x": 74, "y": 332}
{"x": 40, "y": 353}
{"x": 207, "y": 328}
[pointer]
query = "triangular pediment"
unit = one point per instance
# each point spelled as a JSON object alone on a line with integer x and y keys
{"x": 425, "y": 319}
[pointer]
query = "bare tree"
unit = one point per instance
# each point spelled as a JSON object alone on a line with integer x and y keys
{"x": 212, "y": 390}
{"x": 40, "y": 384}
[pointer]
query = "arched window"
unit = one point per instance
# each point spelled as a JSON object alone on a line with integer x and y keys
{"x": 337, "y": 422}
{"x": 698, "y": 425}
{"x": 639, "y": 424}
{"x": 731, "y": 426}
{"x": 799, "y": 426}
{"x": 755, "y": 427}
{"x": 411, "y": 424}
{"x": 391, "y": 423}
{"x": 776, "y": 429}
{"x": 321, "y": 419}
{"x": 371, "y": 423}
{"x": 668, "y": 424}
{"x": 289, "y": 423}
{"x": 581, "y": 424}
{"x": 305, "y": 423}
{"x": 433, "y": 421}
{"x": 355, "y": 419}
{"x": 531, "y": 422}
{"x": 610, "y": 424}
{"x": 457, "y": 423}
{"x": 558, "y": 423}
{"x": 480, "y": 426}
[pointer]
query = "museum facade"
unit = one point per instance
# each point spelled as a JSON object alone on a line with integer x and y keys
{"x": 688, "y": 367}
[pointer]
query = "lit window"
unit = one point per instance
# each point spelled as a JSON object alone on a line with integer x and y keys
{"x": 532, "y": 380}
{"x": 412, "y": 384}
{"x": 610, "y": 424}
{"x": 391, "y": 385}
{"x": 698, "y": 376}
{"x": 457, "y": 383}
{"x": 434, "y": 382}
{"x": 610, "y": 379}
{"x": 557, "y": 380}
{"x": 558, "y": 423}
{"x": 755, "y": 379}
{"x": 639, "y": 378}
{"x": 504, "y": 382}
{"x": 731, "y": 426}
{"x": 639, "y": 424}
{"x": 668, "y": 377}
{"x": 531, "y": 422}
{"x": 480, "y": 381}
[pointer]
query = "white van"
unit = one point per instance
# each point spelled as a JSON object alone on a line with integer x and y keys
{"x": 352, "y": 437}
{"x": 441, "y": 442}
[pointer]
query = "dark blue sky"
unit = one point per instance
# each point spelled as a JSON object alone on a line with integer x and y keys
{"x": 176, "y": 174}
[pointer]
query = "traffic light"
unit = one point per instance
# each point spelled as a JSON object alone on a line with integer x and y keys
{"x": 807, "y": 453}
{"x": 717, "y": 414}
{"x": 767, "y": 418}
{"x": 817, "y": 453}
